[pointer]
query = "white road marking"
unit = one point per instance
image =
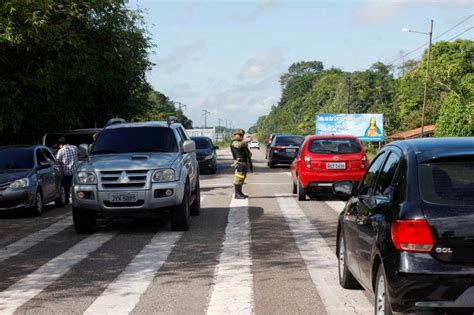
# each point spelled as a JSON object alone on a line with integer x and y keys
{"x": 288, "y": 173}
{"x": 223, "y": 185}
{"x": 233, "y": 282}
{"x": 321, "y": 262}
{"x": 202, "y": 198}
{"x": 336, "y": 205}
{"x": 27, "y": 288}
{"x": 31, "y": 240}
{"x": 123, "y": 294}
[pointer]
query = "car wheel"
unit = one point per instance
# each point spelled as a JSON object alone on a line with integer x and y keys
{"x": 61, "y": 200}
{"x": 346, "y": 279}
{"x": 196, "y": 206}
{"x": 37, "y": 208}
{"x": 85, "y": 221}
{"x": 271, "y": 165}
{"x": 301, "y": 191}
{"x": 382, "y": 301}
{"x": 295, "y": 188}
{"x": 213, "y": 170}
{"x": 179, "y": 216}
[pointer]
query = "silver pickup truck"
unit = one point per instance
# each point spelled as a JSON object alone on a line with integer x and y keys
{"x": 138, "y": 170}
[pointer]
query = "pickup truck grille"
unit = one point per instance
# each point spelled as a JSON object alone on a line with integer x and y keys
{"x": 123, "y": 179}
{"x": 4, "y": 186}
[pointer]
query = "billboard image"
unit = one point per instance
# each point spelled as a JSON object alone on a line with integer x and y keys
{"x": 367, "y": 127}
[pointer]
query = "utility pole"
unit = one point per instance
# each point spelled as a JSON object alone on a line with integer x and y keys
{"x": 349, "y": 88}
{"x": 205, "y": 113}
{"x": 181, "y": 105}
{"x": 427, "y": 77}
{"x": 219, "y": 122}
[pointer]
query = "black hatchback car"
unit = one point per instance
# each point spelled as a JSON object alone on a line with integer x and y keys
{"x": 206, "y": 154}
{"x": 407, "y": 231}
{"x": 283, "y": 149}
{"x": 29, "y": 178}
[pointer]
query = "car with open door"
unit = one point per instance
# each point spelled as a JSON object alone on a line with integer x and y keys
{"x": 407, "y": 232}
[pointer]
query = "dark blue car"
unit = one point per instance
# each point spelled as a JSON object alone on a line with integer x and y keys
{"x": 206, "y": 154}
{"x": 407, "y": 231}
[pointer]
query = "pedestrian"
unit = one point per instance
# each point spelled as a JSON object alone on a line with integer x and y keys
{"x": 242, "y": 160}
{"x": 94, "y": 137}
{"x": 67, "y": 157}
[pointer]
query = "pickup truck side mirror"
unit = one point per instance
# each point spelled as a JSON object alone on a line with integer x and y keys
{"x": 345, "y": 188}
{"x": 216, "y": 147}
{"x": 189, "y": 146}
{"x": 83, "y": 150}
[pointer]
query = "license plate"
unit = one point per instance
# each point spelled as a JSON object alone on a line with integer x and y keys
{"x": 336, "y": 166}
{"x": 123, "y": 197}
{"x": 291, "y": 150}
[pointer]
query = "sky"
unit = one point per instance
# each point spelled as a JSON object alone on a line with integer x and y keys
{"x": 226, "y": 57}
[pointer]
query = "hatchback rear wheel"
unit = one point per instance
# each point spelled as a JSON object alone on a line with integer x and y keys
{"x": 301, "y": 191}
{"x": 382, "y": 301}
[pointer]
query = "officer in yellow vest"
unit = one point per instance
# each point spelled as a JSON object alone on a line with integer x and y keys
{"x": 242, "y": 160}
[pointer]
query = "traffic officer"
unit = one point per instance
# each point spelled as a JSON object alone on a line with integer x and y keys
{"x": 242, "y": 160}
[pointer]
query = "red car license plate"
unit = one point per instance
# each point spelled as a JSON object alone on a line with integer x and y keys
{"x": 336, "y": 166}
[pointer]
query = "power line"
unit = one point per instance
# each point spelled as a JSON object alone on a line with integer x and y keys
{"x": 437, "y": 37}
{"x": 465, "y": 31}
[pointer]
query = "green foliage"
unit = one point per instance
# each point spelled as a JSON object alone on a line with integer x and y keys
{"x": 69, "y": 64}
{"x": 454, "y": 118}
{"x": 309, "y": 89}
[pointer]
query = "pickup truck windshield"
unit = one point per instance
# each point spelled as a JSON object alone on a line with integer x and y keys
{"x": 135, "y": 139}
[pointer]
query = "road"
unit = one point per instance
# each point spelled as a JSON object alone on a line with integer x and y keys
{"x": 269, "y": 254}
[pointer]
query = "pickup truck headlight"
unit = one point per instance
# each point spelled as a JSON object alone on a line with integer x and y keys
{"x": 86, "y": 178}
{"x": 20, "y": 183}
{"x": 164, "y": 175}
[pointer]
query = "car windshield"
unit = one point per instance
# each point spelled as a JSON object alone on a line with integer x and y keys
{"x": 334, "y": 146}
{"x": 448, "y": 182}
{"x": 135, "y": 139}
{"x": 16, "y": 158}
{"x": 289, "y": 140}
{"x": 202, "y": 143}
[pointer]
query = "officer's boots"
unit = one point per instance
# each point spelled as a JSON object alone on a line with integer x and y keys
{"x": 238, "y": 192}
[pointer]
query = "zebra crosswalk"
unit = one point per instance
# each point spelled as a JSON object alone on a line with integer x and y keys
{"x": 223, "y": 274}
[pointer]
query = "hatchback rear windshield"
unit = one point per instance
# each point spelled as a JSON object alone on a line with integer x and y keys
{"x": 447, "y": 183}
{"x": 135, "y": 139}
{"x": 18, "y": 158}
{"x": 202, "y": 143}
{"x": 334, "y": 146}
{"x": 289, "y": 140}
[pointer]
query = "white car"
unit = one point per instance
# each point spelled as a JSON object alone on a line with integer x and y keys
{"x": 254, "y": 145}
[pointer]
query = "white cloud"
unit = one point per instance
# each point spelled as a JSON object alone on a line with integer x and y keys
{"x": 373, "y": 12}
{"x": 181, "y": 55}
{"x": 263, "y": 64}
{"x": 261, "y": 7}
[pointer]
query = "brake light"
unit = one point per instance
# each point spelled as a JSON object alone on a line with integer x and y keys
{"x": 364, "y": 162}
{"x": 277, "y": 148}
{"x": 307, "y": 161}
{"x": 412, "y": 236}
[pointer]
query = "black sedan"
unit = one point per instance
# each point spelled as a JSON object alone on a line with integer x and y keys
{"x": 283, "y": 149}
{"x": 206, "y": 154}
{"x": 407, "y": 231}
{"x": 29, "y": 178}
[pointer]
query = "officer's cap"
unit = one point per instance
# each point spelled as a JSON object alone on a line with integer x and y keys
{"x": 239, "y": 131}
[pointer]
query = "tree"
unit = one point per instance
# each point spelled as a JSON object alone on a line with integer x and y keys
{"x": 454, "y": 119}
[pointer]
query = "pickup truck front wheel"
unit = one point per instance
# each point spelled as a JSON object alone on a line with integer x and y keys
{"x": 196, "y": 206}
{"x": 85, "y": 221}
{"x": 179, "y": 216}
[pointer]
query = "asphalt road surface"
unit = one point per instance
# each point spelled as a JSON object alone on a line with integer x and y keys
{"x": 269, "y": 254}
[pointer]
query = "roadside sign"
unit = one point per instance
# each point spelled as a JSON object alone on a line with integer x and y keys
{"x": 367, "y": 127}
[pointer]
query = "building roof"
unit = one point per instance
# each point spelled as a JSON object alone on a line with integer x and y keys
{"x": 414, "y": 133}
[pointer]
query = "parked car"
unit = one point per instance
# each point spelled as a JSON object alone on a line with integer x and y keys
{"x": 206, "y": 154}
{"x": 254, "y": 144}
{"x": 283, "y": 149}
{"x": 324, "y": 160}
{"x": 138, "y": 170}
{"x": 29, "y": 178}
{"x": 407, "y": 233}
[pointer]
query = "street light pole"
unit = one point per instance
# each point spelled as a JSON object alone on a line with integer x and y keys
{"x": 427, "y": 76}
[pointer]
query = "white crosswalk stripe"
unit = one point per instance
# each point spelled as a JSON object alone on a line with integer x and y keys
{"x": 123, "y": 294}
{"x": 232, "y": 291}
{"x": 321, "y": 262}
{"x": 31, "y": 240}
{"x": 31, "y": 285}
{"x": 336, "y": 205}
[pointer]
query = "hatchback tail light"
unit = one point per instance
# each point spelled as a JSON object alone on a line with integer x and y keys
{"x": 307, "y": 161}
{"x": 412, "y": 236}
{"x": 364, "y": 162}
{"x": 277, "y": 148}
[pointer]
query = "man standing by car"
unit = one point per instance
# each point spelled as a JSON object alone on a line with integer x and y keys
{"x": 242, "y": 160}
{"x": 67, "y": 158}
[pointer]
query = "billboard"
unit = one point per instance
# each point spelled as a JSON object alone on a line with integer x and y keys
{"x": 367, "y": 127}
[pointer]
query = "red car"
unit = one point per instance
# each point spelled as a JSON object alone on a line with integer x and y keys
{"x": 323, "y": 160}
